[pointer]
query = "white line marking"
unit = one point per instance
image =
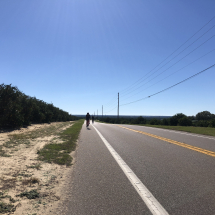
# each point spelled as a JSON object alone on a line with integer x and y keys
{"x": 154, "y": 206}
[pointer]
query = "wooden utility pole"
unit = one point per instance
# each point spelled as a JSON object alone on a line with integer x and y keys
{"x": 118, "y": 105}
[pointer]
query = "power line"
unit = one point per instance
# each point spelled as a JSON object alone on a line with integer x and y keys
{"x": 171, "y": 86}
{"x": 170, "y": 54}
{"x": 111, "y": 104}
{"x": 171, "y": 74}
{"x": 112, "y": 109}
{"x": 131, "y": 86}
{"x": 107, "y": 104}
{"x": 171, "y": 65}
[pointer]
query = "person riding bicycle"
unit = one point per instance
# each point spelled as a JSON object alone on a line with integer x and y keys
{"x": 88, "y": 119}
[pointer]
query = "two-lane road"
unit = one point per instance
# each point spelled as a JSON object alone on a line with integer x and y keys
{"x": 126, "y": 169}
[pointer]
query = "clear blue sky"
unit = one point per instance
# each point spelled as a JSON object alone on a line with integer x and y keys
{"x": 78, "y": 54}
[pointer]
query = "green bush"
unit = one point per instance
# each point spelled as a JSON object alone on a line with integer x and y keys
{"x": 185, "y": 121}
{"x": 204, "y": 115}
{"x": 212, "y": 123}
{"x": 164, "y": 121}
{"x": 154, "y": 122}
{"x": 175, "y": 119}
{"x": 202, "y": 123}
{"x": 140, "y": 120}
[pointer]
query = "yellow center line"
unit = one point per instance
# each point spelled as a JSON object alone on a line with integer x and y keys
{"x": 194, "y": 148}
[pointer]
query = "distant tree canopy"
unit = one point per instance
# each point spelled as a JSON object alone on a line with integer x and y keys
{"x": 121, "y": 120}
{"x": 175, "y": 119}
{"x": 204, "y": 115}
{"x": 18, "y": 109}
{"x": 202, "y": 119}
{"x": 185, "y": 121}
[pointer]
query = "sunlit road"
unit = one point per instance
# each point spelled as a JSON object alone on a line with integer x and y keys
{"x": 177, "y": 168}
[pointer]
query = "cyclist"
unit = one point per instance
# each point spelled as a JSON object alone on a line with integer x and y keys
{"x": 88, "y": 119}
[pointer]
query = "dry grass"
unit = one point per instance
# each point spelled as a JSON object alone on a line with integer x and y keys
{"x": 32, "y": 180}
{"x": 60, "y": 153}
{"x": 36, "y": 166}
{"x": 7, "y": 183}
{"x": 6, "y": 208}
{"x": 22, "y": 170}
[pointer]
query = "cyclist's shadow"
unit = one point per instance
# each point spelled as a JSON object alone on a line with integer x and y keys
{"x": 88, "y": 128}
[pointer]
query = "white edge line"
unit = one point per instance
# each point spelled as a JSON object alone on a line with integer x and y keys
{"x": 154, "y": 206}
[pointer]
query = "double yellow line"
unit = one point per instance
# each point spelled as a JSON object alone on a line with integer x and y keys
{"x": 197, "y": 149}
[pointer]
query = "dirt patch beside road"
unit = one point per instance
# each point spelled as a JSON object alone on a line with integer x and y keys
{"x": 27, "y": 185}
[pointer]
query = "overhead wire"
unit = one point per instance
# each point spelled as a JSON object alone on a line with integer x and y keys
{"x": 110, "y": 101}
{"x": 174, "y": 58}
{"x": 169, "y": 55}
{"x": 171, "y": 74}
{"x": 140, "y": 80}
{"x": 111, "y": 109}
{"x": 170, "y": 86}
{"x": 171, "y": 65}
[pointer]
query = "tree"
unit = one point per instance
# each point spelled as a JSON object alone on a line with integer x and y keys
{"x": 140, "y": 120}
{"x": 185, "y": 121}
{"x": 10, "y": 106}
{"x": 212, "y": 123}
{"x": 202, "y": 123}
{"x": 165, "y": 121}
{"x": 174, "y": 119}
{"x": 18, "y": 109}
{"x": 154, "y": 122}
{"x": 204, "y": 115}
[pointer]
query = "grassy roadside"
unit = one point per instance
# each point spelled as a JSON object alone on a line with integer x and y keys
{"x": 16, "y": 139}
{"x": 25, "y": 177}
{"x": 196, "y": 130}
{"x": 60, "y": 153}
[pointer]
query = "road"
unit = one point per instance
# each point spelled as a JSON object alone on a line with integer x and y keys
{"x": 161, "y": 172}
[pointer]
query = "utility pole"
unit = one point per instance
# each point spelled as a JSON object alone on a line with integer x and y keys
{"x": 118, "y": 106}
{"x": 102, "y": 111}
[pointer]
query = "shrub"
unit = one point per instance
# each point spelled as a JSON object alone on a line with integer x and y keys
{"x": 185, "y": 121}
{"x": 212, "y": 123}
{"x": 204, "y": 115}
{"x": 33, "y": 194}
{"x": 165, "y": 121}
{"x": 175, "y": 119}
{"x": 140, "y": 120}
{"x": 202, "y": 123}
{"x": 154, "y": 122}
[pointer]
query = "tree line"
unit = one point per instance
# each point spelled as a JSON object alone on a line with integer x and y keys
{"x": 18, "y": 109}
{"x": 202, "y": 119}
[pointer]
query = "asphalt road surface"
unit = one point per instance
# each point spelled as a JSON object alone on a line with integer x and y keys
{"x": 128, "y": 169}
